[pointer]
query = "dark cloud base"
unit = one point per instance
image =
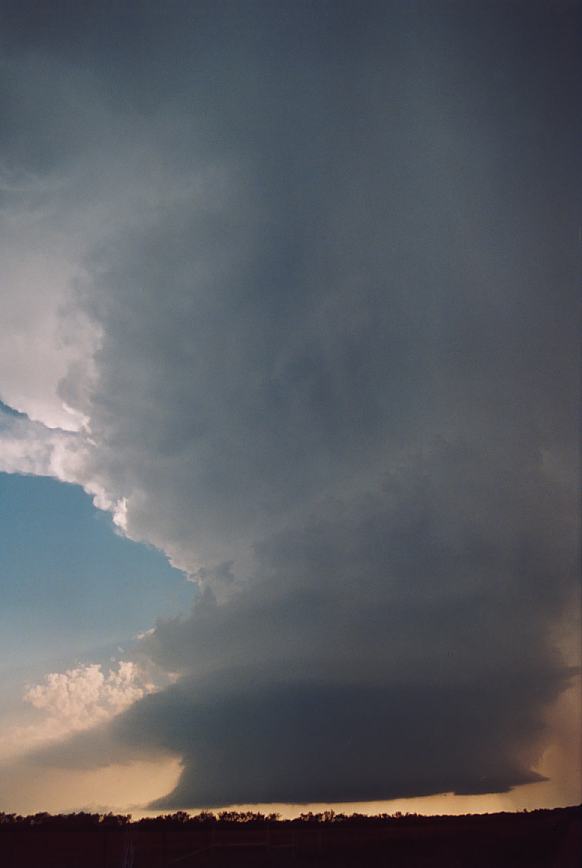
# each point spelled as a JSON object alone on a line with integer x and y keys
{"x": 323, "y": 743}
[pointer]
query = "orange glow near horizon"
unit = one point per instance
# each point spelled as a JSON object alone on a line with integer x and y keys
{"x": 128, "y": 788}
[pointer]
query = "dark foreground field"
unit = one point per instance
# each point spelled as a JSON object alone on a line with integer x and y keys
{"x": 538, "y": 839}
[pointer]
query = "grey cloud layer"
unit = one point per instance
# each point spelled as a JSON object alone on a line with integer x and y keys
{"x": 336, "y": 378}
{"x": 393, "y": 645}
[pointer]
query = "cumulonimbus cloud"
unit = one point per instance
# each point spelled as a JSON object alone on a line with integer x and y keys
{"x": 332, "y": 374}
{"x": 389, "y": 646}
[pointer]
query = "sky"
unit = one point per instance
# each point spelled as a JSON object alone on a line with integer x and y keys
{"x": 290, "y": 384}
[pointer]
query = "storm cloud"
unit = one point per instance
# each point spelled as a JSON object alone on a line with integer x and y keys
{"x": 324, "y": 277}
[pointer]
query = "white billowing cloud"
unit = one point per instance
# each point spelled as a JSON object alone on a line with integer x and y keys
{"x": 77, "y": 699}
{"x": 29, "y": 447}
{"x": 86, "y": 695}
{"x": 46, "y": 336}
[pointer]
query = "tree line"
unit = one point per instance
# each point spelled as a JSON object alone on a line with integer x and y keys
{"x": 256, "y": 818}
